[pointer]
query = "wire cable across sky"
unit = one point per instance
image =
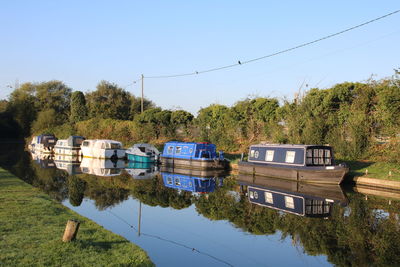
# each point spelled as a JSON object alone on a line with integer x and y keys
{"x": 240, "y": 62}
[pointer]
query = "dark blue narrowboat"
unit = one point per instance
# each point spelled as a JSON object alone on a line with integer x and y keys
{"x": 193, "y": 155}
{"x": 303, "y": 163}
{"x": 292, "y": 197}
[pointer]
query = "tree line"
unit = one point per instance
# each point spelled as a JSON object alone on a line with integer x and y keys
{"x": 351, "y": 116}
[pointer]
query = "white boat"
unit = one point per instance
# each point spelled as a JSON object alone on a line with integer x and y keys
{"x": 70, "y": 146}
{"x": 102, "y": 149}
{"x": 102, "y": 167}
{"x": 43, "y": 143}
{"x": 143, "y": 153}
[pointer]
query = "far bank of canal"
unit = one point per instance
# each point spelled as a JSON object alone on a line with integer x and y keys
{"x": 32, "y": 225}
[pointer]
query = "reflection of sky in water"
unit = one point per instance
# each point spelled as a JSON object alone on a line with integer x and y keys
{"x": 168, "y": 236}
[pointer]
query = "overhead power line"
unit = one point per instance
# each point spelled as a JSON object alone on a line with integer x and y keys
{"x": 243, "y": 62}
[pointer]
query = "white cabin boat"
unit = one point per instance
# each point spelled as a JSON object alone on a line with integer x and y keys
{"x": 102, "y": 149}
{"x": 102, "y": 167}
{"x": 43, "y": 143}
{"x": 70, "y": 146}
{"x": 143, "y": 153}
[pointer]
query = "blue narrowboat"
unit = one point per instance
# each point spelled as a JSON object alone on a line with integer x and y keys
{"x": 305, "y": 163}
{"x": 292, "y": 197}
{"x": 193, "y": 155}
{"x": 195, "y": 184}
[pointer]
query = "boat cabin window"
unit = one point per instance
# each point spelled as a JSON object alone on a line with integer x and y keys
{"x": 170, "y": 150}
{"x": 268, "y": 197}
{"x": 115, "y": 146}
{"x": 86, "y": 143}
{"x": 289, "y": 202}
{"x": 178, "y": 150}
{"x": 103, "y": 146}
{"x": 142, "y": 149}
{"x": 78, "y": 141}
{"x": 252, "y": 153}
{"x": 256, "y": 154}
{"x": 269, "y": 156}
{"x": 169, "y": 180}
{"x": 205, "y": 154}
{"x": 290, "y": 156}
{"x": 319, "y": 156}
{"x": 177, "y": 181}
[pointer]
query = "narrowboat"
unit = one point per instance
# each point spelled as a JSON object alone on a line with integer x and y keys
{"x": 141, "y": 170}
{"x": 70, "y": 146}
{"x": 142, "y": 153}
{"x": 195, "y": 184}
{"x": 193, "y": 155}
{"x": 303, "y": 163}
{"x": 102, "y": 149}
{"x": 309, "y": 200}
{"x": 43, "y": 143}
{"x": 102, "y": 167}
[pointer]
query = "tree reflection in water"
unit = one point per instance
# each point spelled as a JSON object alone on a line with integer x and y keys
{"x": 366, "y": 232}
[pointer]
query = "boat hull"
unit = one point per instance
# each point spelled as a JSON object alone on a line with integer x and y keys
{"x": 195, "y": 164}
{"x": 321, "y": 175}
{"x": 137, "y": 158}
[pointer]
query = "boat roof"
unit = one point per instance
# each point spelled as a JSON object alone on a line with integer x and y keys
{"x": 287, "y": 145}
{"x": 188, "y": 143}
{"x": 104, "y": 140}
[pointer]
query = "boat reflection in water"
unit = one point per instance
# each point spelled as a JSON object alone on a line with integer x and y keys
{"x": 70, "y": 164}
{"x": 310, "y": 200}
{"x": 45, "y": 160}
{"x": 197, "y": 181}
{"x": 141, "y": 170}
{"x": 102, "y": 167}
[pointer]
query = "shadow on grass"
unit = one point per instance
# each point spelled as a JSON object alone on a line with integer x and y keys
{"x": 357, "y": 168}
{"x": 89, "y": 243}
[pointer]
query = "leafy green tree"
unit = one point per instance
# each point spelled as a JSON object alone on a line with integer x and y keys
{"x": 79, "y": 110}
{"x": 183, "y": 119}
{"x": 159, "y": 121}
{"x": 46, "y": 121}
{"x": 54, "y": 95}
{"x": 136, "y": 106}
{"x": 23, "y": 106}
{"x": 109, "y": 101}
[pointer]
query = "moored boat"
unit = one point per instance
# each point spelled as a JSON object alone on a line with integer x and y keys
{"x": 141, "y": 170}
{"x": 304, "y": 199}
{"x": 193, "y": 155}
{"x": 303, "y": 163}
{"x": 191, "y": 183}
{"x": 70, "y": 146}
{"x": 143, "y": 153}
{"x": 43, "y": 143}
{"x": 102, "y": 149}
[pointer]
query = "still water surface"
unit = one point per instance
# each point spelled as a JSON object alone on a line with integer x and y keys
{"x": 185, "y": 218}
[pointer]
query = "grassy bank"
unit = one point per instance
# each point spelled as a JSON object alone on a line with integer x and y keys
{"x": 32, "y": 225}
{"x": 377, "y": 170}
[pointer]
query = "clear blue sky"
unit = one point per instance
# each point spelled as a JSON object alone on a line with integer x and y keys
{"x": 84, "y": 42}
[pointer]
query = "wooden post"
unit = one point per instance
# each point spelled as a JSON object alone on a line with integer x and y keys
{"x": 71, "y": 230}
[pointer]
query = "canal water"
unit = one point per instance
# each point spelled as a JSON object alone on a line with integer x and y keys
{"x": 181, "y": 217}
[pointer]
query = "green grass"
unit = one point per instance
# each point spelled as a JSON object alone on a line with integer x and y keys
{"x": 32, "y": 225}
{"x": 378, "y": 170}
